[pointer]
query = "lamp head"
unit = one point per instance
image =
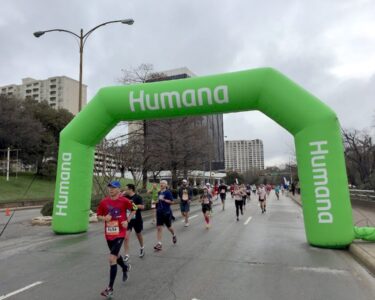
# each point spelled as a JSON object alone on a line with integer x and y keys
{"x": 38, "y": 33}
{"x": 128, "y": 21}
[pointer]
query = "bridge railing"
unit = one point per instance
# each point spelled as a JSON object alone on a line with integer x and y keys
{"x": 362, "y": 195}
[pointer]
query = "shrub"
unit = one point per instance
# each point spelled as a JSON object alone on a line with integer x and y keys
{"x": 47, "y": 209}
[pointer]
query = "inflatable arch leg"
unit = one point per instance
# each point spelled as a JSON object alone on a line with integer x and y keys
{"x": 321, "y": 167}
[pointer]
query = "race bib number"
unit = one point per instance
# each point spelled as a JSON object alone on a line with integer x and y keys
{"x": 112, "y": 228}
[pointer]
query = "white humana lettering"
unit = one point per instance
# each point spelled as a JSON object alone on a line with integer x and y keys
{"x": 62, "y": 201}
{"x": 174, "y": 99}
{"x": 320, "y": 178}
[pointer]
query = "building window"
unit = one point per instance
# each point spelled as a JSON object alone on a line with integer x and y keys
{"x": 52, "y": 86}
{"x": 28, "y": 91}
{"x": 53, "y": 92}
{"x": 36, "y": 83}
{"x": 53, "y": 80}
{"x": 35, "y": 90}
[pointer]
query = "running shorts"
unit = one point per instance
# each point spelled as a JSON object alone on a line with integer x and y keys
{"x": 115, "y": 245}
{"x": 163, "y": 218}
{"x": 206, "y": 207}
{"x": 184, "y": 206}
{"x": 136, "y": 224}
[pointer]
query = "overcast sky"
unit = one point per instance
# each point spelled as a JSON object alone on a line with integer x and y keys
{"x": 327, "y": 46}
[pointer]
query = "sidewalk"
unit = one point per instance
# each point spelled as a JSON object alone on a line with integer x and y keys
{"x": 362, "y": 251}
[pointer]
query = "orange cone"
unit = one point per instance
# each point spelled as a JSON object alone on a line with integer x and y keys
{"x": 7, "y": 212}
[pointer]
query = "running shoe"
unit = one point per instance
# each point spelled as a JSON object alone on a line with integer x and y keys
{"x": 141, "y": 251}
{"x": 238, "y": 219}
{"x": 108, "y": 293}
{"x": 186, "y": 224}
{"x": 174, "y": 239}
{"x": 126, "y": 257}
{"x": 125, "y": 273}
{"x": 158, "y": 247}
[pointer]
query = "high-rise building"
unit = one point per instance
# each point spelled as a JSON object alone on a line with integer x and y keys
{"x": 212, "y": 123}
{"x": 58, "y": 91}
{"x": 243, "y": 155}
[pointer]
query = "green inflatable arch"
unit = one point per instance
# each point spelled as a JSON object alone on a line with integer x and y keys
{"x": 315, "y": 127}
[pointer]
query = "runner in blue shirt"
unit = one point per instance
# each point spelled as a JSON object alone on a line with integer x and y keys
{"x": 164, "y": 214}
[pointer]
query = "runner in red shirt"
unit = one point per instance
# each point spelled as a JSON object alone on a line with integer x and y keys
{"x": 216, "y": 191}
{"x": 112, "y": 210}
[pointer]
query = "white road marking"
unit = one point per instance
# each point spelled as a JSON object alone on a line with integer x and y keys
{"x": 20, "y": 290}
{"x": 192, "y": 217}
{"x": 247, "y": 221}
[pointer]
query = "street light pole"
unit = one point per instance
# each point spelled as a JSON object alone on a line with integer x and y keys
{"x": 82, "y": 40}
{"x": 80, "y": 70}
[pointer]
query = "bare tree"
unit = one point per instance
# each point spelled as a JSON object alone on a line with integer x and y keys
{"x": 178, "y": 144}
{"x": 360, "y": 157}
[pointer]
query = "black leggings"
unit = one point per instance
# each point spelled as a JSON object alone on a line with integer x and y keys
{"x": 239, "y": 204}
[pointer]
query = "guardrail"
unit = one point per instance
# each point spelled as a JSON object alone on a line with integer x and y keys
{"x": 23, "y": 203}
{"x": 362, "y": 195}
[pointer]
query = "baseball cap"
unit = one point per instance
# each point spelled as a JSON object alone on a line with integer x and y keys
{"x": 208, "y": 184}
{"x": 184, "y": 181}
{"x": 114, "y": 184}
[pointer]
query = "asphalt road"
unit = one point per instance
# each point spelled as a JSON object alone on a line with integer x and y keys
{"x": 259, "y": 257}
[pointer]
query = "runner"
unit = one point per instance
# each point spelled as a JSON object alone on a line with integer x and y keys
{"x": 136, "y": 222}
{"x": 244, "y": 196}
{"x": 112, "y": 210}
{"x": 185, "y": 194}
{"x": 277, "y": 192}
{"x": 231, "y": 190}
{"x": 154, "y": 200}
{"x": 268, "y": 189}
{"x": 254, "y": 189}
{"x": 248, "y": 191}
{"x": 262, "y": 197}
{"x": 216, "y": 191}
{"x": 206, "y": 200}
{"x": 223, "y": 193}
{"x": 237, "y": 194}
{"x": 164, "y": 214}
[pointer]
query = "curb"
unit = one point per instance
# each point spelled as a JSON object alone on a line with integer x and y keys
{"x": 357, "y": 250}
{"x": 363, "y": 256}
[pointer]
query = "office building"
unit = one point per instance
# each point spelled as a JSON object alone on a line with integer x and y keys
{"x": 58, "y": 91}
{"x": 244, "y": 155}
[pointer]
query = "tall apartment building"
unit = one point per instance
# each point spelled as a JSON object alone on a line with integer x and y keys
{"x": 243, "y": 155}
{"x": 213, "y": 124}
{"x": 58, "y": 91}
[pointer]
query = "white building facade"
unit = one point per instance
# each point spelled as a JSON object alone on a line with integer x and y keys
{"x": 59, "y": 92}
{"x": 244, "y": 155}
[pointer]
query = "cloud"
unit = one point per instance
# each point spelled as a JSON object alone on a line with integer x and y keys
{"x": 325, "y": 46}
